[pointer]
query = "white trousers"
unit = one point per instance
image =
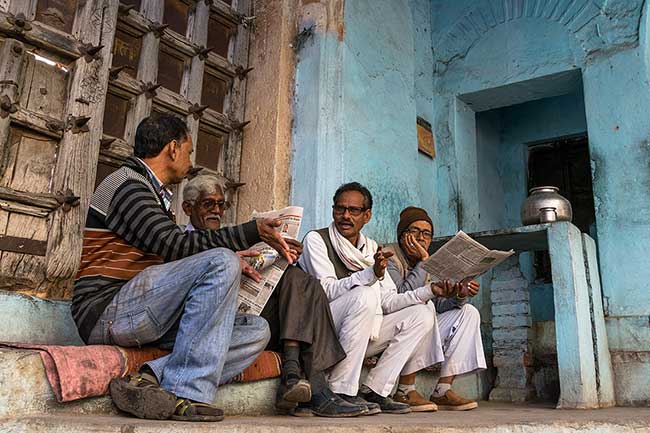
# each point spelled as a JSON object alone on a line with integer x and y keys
{"x": 410, "y": 339}
{"x": 460, "y": 330}
{"x": 353, "y": 315}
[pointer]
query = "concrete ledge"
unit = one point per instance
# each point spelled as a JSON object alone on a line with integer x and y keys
{"x": 488, "y": 418}
{"x": 25, "y": 390}
{"x": 50, "y": 322}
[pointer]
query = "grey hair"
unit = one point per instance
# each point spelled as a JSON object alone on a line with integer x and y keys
{"x": 203, "y": 184}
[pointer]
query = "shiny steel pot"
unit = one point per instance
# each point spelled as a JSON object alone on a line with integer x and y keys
{"x": 546, "y": 198}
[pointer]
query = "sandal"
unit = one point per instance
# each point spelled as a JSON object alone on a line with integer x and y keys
{"x": 188, "y": 410}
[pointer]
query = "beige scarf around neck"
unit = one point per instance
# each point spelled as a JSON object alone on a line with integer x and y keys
{"x": 356, "y": 260}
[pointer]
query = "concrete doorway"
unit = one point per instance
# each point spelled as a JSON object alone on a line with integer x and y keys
{"x": 518, "y": 136}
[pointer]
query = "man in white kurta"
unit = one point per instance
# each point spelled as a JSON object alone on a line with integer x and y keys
{"x": 370, "y": 316}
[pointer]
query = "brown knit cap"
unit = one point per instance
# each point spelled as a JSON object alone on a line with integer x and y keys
{"x": 409, "y": 216}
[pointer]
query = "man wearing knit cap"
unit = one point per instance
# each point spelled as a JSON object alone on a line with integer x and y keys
{"x": 458, "y": 323}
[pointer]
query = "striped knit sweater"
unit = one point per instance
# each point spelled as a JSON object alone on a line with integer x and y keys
{"x": 128, "y": 230}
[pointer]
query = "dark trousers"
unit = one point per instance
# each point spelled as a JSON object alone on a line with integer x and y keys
{"x": 299, "y": 310}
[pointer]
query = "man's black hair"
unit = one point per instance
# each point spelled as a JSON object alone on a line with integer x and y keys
{"x": 355, "y": 186}
{"x": 155, "y": 131}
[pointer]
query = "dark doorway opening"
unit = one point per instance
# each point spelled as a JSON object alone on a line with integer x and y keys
{"x": 563, "y": 163}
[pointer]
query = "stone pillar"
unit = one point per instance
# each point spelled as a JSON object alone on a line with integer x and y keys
{"x": 511, "y": 333}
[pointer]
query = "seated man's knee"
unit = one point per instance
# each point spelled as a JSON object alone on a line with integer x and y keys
{"x": 471, "y": 312}
{"x": 364, "y": 300}
{"x": 224, "y": 269}
{"x": 423, "y": 316}
{"x": 230, "y": 262}
{"x": 260, "y": 330}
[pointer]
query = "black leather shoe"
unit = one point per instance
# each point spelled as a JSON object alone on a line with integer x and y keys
{"x": 386, "y": 404}
{"x": 290, "y": 394}
{"x": 328, "y": 404}
{"x": 373, "y": 408}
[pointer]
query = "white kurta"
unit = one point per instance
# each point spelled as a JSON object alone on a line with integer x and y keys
{"x": 408, "y": 335}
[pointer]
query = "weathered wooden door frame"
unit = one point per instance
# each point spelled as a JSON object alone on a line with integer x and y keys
{"x": 79, "y": 129}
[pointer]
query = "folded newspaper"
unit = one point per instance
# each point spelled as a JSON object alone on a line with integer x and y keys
{"x": 462, "y": 257}
{"x": 253, "y": 296}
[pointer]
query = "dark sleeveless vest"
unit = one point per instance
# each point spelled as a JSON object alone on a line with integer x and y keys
{"x": 339, "y": 267}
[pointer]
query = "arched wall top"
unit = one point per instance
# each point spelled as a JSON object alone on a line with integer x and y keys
{"x": 597, "y": 26}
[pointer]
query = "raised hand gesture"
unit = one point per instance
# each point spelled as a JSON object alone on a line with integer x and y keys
{"x": 381, "y": 262}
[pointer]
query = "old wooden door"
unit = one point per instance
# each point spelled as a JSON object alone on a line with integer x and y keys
{"x": 76, "y": 77}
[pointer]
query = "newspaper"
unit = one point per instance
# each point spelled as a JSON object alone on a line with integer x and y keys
{"x": 462, "y": 257}
{"x": 253, "y": 295}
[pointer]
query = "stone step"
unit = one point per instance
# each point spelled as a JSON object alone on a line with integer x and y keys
{"x": 25, "y": 390}
{"x": 488, "y": 418}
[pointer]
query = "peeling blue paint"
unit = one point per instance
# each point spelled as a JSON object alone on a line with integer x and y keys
{"x": 355, "y": 113}
{"x": 532, "y": 71}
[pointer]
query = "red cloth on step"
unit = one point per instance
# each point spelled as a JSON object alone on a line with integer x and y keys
{"x": 76, "y": 372}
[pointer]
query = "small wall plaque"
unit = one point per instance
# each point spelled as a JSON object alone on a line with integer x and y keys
{"x": 426, "y": 144}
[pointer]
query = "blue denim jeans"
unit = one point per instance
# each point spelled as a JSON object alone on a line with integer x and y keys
{"x": 188, "y": 306}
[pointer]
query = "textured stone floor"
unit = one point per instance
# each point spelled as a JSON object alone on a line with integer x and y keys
{"x": 490, "y": 417}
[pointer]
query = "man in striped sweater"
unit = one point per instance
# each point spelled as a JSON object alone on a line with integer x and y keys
{"x": 144, "y": 281}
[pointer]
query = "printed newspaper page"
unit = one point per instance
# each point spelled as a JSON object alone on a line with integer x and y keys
{"x": 252, "y": 295}
{"x": 462, "y": 257}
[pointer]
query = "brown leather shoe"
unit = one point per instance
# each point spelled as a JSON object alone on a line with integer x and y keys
{"x": 416, "y": 401}
{"x": 453, "y": 401}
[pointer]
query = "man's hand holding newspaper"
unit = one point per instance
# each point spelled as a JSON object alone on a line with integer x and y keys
{"x": 270, "y": 235}
{"x": 267, "y": 261}
{"x": 462, "y": 259}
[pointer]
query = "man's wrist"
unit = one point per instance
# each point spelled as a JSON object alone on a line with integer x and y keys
{"x": 251, "y": 232}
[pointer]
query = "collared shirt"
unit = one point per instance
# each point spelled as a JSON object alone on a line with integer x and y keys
{"x": 165, "y": 194}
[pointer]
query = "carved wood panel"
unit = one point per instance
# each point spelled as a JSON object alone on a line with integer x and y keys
{"x": 54, "y": 72}
{"x": 76, "y": 78}
{"x": 31, "y": 159}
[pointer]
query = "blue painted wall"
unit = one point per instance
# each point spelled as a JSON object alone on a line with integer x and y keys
{"x": 503, "y": 156}
{"x": 357, "y": 100}
{"x": 491, "y": 54}
{"x": 421, "y": 13}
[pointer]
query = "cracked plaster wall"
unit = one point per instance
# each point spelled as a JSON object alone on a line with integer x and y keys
{"x": 361, "y": 80}
{"x": 266, "y": 148}
{"x": 358, "y": 92}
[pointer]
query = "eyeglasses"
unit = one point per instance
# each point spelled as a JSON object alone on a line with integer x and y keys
{"x": 426, "y": 234}
{"x": 354, "y": 211}
{"x": 209, "y": 204}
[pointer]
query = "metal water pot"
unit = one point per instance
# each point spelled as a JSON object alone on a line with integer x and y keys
{"x": 540, "y": 203}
